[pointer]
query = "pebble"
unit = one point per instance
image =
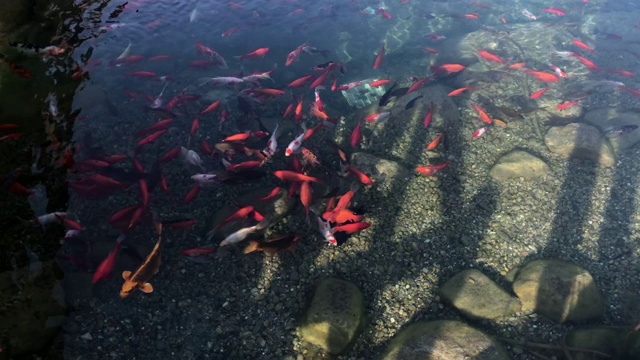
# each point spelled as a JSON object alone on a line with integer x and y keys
{"x": 86, "y": 336}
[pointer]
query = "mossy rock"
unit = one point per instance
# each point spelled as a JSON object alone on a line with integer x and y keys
{"x": 335, "y": 317}
{"x": 558, "y": 290}
{"x": 443, "y": 340}
{"x": 478, "y": 297}
{"x": 606, "y": 340}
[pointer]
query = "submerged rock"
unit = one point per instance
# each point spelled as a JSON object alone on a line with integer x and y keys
{"x": 580, "y": 141}
{"x": 476, "y": 296}
{"x": 335, "y": 316}
{"x": 603, "y": 339}
{"x": 443, "y": 340}
{"x": 518, "y": 164}
{"x": 558, "y": 290}
{"x": 608, "y": 119}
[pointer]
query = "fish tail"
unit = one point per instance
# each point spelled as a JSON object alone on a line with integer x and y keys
{"x": 253, "y": 246}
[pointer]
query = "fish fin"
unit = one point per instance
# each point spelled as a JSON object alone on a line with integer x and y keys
{"x": 263, "y": 224}
{"x": 126, "y": 275}
{"x": 253, "y": 246}
{"x": 146, "y": 288}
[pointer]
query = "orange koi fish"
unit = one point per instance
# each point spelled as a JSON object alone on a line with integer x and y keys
{"x": 431, "y": 170}
{"x": 483, "y": 115}
{"x": 435, "y": 142}
{"x": 459, "y": 91}
{"x": 484, "y": 54}
{"x": 446, "y": 69}
{"x": 292, "y": 176}
{"x": 567, "y": 104}
{"x": 255, "y": 53}
{"x": 140, "y": 278}
{"x": 542, "y": 75}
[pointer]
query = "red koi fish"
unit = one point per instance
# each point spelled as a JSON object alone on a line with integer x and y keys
{"x": 107, "y": 265}
{"x": 583, "y": 46}
{"x": 356, "y": 135}
{"x": 149, "y": 139}
{"x": 191, "y": 194}
{"x": 171, "y": 155}
{"x": 417, "y": 84}
{"x": 427, "y": 118}
{"x": 384, "y": 14}
{"x": 436, "y": 37}
{"x": 237, "y": 137}
{"x": 8, "y": 127}
{"x": 230, "y": 31}
{"x": 379, "y": 82}
{"x": 484, "y": 54}
{"x": 476, "y": 134}
{"x": 292, "y": 176}
{"x": 379, "y": 57}
{"x": 446, "y": 69}
{"x": 567, "y": 104}
{"x": 351, "y": 228}
{"x": 430, "y": 50}
{"x": 538, "y": 93}
{"x": 435, "y": 142}
{"x": 431, "y": 170}
{"x": 128, "y": 60}
{"x": 142, "y": 74}
{"x": 554, "y": 11}
{"x": 211, "y": 108}
{"x": 305, "y": 197}
{"x": 362, "y": 177}
{"x": 621, "y": 72}
{"x": 320, "y": 80}
{"x": 159, "y": 57}
{"x": 261, "y": 52}
{"x": 459, "y": 91}
{"x": 288, "y": 111}
{"x": 239, "y": 214}
{"x": 378, "y": 117}
{"x": 19, "y": 70}
{"x": 195, "y": 124}
{"x": 542, "y": 75}
{"x": 586, "y": 62}
{"x": 243, "y": 166}
{"x": 121, "y": 215}
{"x": 271, "y": 195}
{"x": 300, "y": 81}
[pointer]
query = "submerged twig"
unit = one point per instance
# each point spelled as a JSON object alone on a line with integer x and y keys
{"x": 552, "y": 347}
